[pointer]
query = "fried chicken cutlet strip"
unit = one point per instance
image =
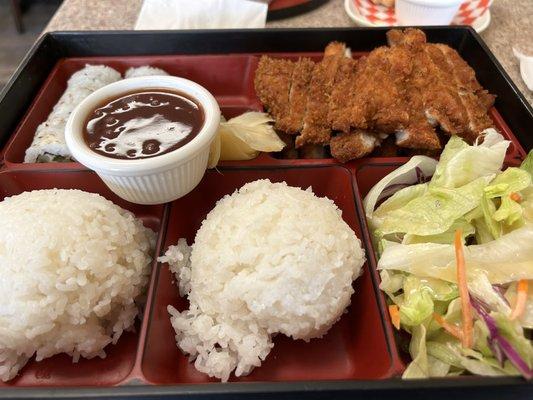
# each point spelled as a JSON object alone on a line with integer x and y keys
{"x": 301, "y": 77}
{"x": 409, "y": 37}
{"x": 342, "y": 95}
{"x": 316, "y": 128}
{"x": 418, "y": 88}
{"x": 272, "y": 85}
{"x": 451, "y": 95}
{"x": 455, "y": 99}
{"x": 348, "y": 146}
{"x": 386, "y": 74}
{"x": 476, "y": 100}
{"x": 369, "y": 94}
{"x": 443, "y": 105}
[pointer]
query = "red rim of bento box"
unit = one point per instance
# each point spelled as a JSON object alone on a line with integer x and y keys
{"x": 243, "y": 99}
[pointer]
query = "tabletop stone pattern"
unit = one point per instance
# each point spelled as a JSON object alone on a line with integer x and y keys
{"x": 511, "y": 24}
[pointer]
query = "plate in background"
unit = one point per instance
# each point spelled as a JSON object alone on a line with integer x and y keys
{"x": 279, "y": 9}
{"x": 384, "y": 16}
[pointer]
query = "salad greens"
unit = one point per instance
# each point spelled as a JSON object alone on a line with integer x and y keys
{"x": 414, "y": 221}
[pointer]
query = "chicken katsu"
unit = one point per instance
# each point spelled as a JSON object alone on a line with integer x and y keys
{"x": 316, "y": 128}
{"x": 411, "y": 89}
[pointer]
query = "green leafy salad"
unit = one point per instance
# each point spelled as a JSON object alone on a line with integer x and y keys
{"x": 455, "y": 246}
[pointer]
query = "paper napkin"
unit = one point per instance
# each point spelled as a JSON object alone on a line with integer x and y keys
{"x": 202, "y": 14}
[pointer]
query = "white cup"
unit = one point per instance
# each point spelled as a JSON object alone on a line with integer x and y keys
{"x": 426, "y": 12}
{"x": 154, "y": 180}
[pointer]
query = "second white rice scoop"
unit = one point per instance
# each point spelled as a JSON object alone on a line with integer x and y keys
{"x": 269, "y": 258}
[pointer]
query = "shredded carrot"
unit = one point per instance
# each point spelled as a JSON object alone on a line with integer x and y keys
{"x": 394, "y": 312}
{"x": 466, "y": 311}
{"x": 521, "y": 299}
{"x": 516, "y": 197}
{"x": 450, "y": 328}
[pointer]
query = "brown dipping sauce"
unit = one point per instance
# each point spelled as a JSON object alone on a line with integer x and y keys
{"x": 143, "y": 124}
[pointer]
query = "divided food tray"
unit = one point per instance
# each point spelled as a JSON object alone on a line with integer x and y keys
{"x": 359, "y": 355}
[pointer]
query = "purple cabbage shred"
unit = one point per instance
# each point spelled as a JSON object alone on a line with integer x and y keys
{"x": 500, "y": 346}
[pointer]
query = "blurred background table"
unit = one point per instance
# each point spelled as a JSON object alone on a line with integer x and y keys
{"x": 511, "y": 24}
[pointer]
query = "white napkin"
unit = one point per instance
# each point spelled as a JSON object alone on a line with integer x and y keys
{"x": 526, "y": 67}
{"x": 202, "y": 14}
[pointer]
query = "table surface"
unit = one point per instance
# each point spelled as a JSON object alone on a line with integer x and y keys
{"x": 511, "y": 24}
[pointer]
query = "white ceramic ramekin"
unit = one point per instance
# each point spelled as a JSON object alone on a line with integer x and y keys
{"x": 426, "y": 12}
{"x": 155, "y": 180}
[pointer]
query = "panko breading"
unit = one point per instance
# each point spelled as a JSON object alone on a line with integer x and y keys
{"x": 301, "y": 77}
{"x": 408, "y": 88}
{"x": 343, "y": 90}
{"x": 272, "y": 85}
{"x": 317, "y": 129}
{"x": 377, "y": 102}
{"x": 348, "y": 146}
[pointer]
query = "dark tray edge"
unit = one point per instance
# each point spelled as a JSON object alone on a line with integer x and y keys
{"x": 474, "y": 388}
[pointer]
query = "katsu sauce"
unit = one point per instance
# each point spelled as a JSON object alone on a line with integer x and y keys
{"x": 143, "y": 124}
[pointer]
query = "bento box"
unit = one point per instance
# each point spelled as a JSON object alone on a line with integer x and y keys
{"x": 360, "y": 355}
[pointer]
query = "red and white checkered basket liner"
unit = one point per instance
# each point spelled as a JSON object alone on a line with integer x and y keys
{"x": 381, "y": 15}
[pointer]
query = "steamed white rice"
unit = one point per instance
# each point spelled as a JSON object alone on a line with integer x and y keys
{"x": 269, "y": 258}
{"x": 49, "y": 141}
{"x": 72, "y": 265}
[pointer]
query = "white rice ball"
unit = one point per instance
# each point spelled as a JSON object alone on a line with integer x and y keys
{"x": 72, "y": 265}
{"x": 145, "y": 70}
{"x": 269, "y": 258}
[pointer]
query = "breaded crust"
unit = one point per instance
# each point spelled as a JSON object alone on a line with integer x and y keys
{"x": 408, "y": 88}
{"x": 348, "y": 146}
{"x": 272, "y": 85}
{"x": 342, "y": 95}
{"x": 298, "y": 94}
{"x": 406, "y": 37}
{"x": 317, "y": 129}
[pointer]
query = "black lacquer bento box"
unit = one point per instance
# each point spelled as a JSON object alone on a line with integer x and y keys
{"x": 359, "y": 357}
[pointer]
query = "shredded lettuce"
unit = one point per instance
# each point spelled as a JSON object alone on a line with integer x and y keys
{"x": 417, "y": 304}
{"x": 497, "y": 220}
{"x": 391, "y": 283}
{"x": 514, "y": 333}
{"x": 435, "y": 211}
{"x": 480, "y": 286}
{"x": 527, "y": 164}
{"x": 504, "y": 260}
{"x": 509, "y": 181}
{"x": 527, "y": 204}
{"x": 400, "y": 198}
{"x": 414, "y": 229}
{"x": 447, "y": 237}
{"x": 460, "y": 163}
{"x": 405, "y": 175}
{"x": 505, "y": 339}
{"x": 456, "y": 188}
{"x": 476, "y": 363}
{"x": 483, "y": 233}
{"x": 489, "y": 209}
{"x": 423, "y": 365}
{"x": 509, "y": 212}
